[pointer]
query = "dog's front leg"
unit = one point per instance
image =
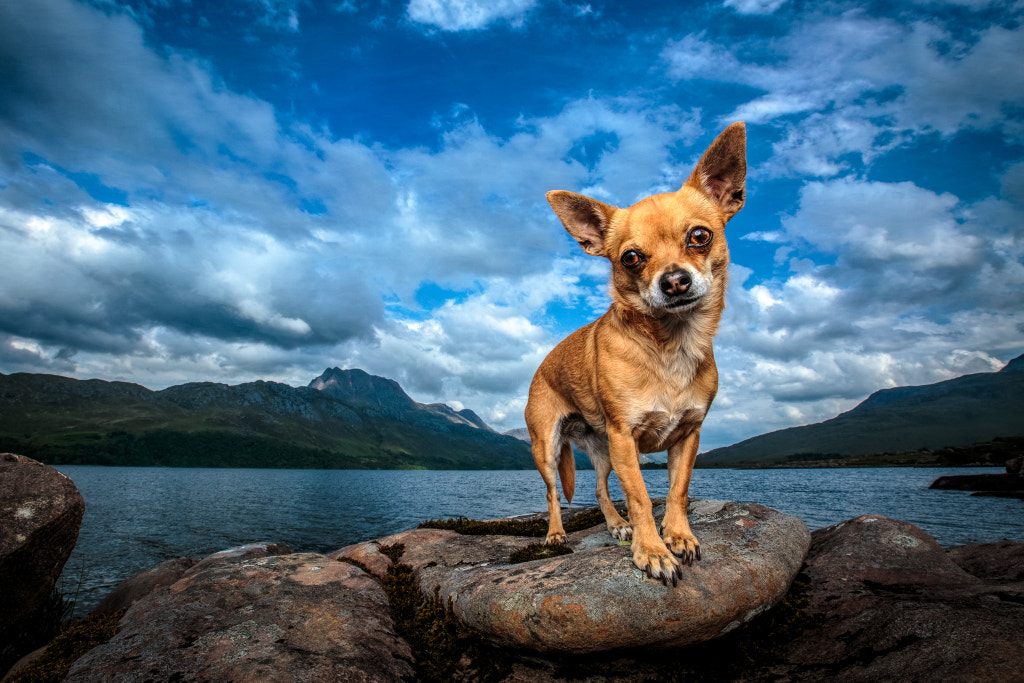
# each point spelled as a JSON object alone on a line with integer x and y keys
{"x": 676, "y": 527}
{"x": 650, "y": 554}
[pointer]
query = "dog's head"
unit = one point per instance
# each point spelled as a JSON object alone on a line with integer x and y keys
{"x": 668, "y": 251}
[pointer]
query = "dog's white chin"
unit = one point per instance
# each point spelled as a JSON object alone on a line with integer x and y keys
{"x": 684, "y": 306}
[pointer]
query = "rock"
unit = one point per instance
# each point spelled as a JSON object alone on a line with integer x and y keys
{"x": 595, "y": 599}
{"x": 1015, "y": 466}
{"x": 129, "y": 591}
{"x": 250, "y": 551}
{"x": 887, "y": 603}
{"x": 367, "y": 555}
{"x": 999, "y": 561}
{"x": 137, "y": 586}
{"x": 1019, "y": 495}
{"x": 883, "y": 551}
{"x": 278, "y": 618}
{"x": 40, "y": 513}
{"x": 978, "y": 482}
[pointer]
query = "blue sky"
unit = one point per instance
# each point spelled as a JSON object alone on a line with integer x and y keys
{"x": 260, "y": 189}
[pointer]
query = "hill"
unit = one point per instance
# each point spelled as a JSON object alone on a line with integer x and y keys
{"x": 344, "y": 419}
{"x": 958, "y": 412}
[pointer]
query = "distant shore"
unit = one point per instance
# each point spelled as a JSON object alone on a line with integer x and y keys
{"x": 993, "y": 453}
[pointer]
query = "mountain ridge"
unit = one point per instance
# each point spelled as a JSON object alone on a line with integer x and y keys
{"x": 343, "y": 419}
{"x": 964, "y": 410}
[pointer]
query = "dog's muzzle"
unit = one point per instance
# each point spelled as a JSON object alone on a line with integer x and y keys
{"x": 678, "y": 288}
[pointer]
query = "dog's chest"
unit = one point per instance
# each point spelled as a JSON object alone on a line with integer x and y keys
{"x": 669, "y": 407}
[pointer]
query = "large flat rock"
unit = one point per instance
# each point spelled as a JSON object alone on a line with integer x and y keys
{"x": 595, "y": 599}
{"x": 247, "y": 618}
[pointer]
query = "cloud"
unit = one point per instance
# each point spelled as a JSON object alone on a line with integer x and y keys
{"x": 468, "y": 15}
{"x": 882, "y": 290}
{"x": 196, "y": 231}
{"x": 754, "y": 6}
{"x": 860, "y": 85}
{"x": 157, "y": 225}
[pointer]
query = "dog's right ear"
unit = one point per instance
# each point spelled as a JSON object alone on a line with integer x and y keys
{"x": 584, "y": 218}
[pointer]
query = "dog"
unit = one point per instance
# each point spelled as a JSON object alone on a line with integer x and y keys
{"x": 641, "y": 378}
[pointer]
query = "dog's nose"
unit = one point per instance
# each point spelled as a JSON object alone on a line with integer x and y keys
{"x": 675, "y": 283}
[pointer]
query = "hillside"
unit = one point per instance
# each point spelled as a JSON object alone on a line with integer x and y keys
{"x": 344, "y": 419}
{"x": 957, "y": 412}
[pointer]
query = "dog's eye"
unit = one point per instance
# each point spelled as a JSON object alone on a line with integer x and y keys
{"x": 632, "y": 258}
{"x": 699, "y": 237}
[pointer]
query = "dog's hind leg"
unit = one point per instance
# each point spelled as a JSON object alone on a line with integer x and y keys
{"x": 617, "y": 526}
{"x": 544, "y": 455}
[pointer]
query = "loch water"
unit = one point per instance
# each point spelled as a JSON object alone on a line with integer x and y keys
{"x": 137, "y": 517}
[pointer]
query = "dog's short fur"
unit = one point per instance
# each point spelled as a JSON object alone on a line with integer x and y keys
{"x": 641, "y": 378}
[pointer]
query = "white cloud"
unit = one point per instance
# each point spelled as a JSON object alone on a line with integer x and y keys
{"x": 754, "y": 6}
{"x": 468, "y": 15}
{"x": 860, "y": 85}
{"x": 916, "y": 287}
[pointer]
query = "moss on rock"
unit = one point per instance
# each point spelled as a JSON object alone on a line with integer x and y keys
{"x": 515, "y": 527}
{"x": 444, "y": 649}
{"x": 68, "y": 647}
{"x": 538, "y": 551}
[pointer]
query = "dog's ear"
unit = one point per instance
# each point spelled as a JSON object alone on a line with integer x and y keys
{"x": 584, "y": 218}
{"x": 722, "y": 171}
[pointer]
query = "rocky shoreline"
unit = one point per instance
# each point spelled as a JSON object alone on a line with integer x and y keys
{"x": 1009, "y": 484}
{"x": 868, "y": 599}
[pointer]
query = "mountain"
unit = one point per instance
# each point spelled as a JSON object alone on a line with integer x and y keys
{"x": 957, "y": 412}
{"x": 344, "y": 419}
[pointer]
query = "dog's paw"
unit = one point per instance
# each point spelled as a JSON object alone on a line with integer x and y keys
{"x": 556, "y": 539}
{"x": 621, "y": 532}
{"x": 660, "y": 565}
{"x": 686, "y": 548}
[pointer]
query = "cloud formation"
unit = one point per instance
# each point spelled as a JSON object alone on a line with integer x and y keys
{"x": 163, "y": 219}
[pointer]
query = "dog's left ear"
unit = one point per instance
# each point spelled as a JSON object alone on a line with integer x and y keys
{"x": 722, "y": 171}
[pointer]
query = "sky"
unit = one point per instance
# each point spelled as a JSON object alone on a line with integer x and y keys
{"x": 261, "y": 189}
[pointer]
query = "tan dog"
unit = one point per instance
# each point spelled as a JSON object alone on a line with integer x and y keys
{"x": 641, "y": 378}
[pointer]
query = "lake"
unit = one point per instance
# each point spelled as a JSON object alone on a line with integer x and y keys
{"x": 136, "y": 517}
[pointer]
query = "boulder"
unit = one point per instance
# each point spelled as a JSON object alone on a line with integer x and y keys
{"x": 129, "y": 591}
{"x": 40, "y": 513}
{"x": 272, "y": 618}
{"x": 978, "y": 482}
{"x": 249, "y": 551}
{"x": 595, "y": 599}
{"x": 1015, "y": 466}
{"x": 1002, "y": 561}
{"x": 886, "y": 602}
{"x": 137, "y": 586}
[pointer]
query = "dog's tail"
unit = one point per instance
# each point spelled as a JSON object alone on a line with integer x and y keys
{"x": 567, "y": 471}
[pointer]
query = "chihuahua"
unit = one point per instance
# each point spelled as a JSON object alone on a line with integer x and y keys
{"x": 641, "y": 378}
